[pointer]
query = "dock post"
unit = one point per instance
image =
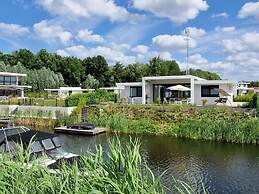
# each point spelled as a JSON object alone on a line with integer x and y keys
{"x": 84, "y": 113}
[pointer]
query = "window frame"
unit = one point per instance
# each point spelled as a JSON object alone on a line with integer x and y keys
{"x": 138, "y": 91}
{"x": 210, "y": 88}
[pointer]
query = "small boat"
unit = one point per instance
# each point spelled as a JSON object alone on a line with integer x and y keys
{"x": 82, "y": 129}
{"x": 45, "y": 148}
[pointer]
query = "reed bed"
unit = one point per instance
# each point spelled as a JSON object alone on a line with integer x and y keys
{"x": 212, "y": 123}
{"x": 119, "y": 170}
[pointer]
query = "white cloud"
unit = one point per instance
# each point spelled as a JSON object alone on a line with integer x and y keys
{"x": 249, "y": 9}
{"x": 178, "y": 11}
{"x": 13, "y": 30}
{"x": 247, "y": 42}
{"x": 199, "y": 62}
{"x": 87, "y": 8}
{"x": 225, "y": 29}
{"x": 88, "y": 36}
{"x": 174, "y": 42}
{"x": 141, "y": 49}
{"x": 197, "y": 59}
{"x": 195, "y": 32}
{"x": 50, "y": 32}
{"x": 111, "y": 55}
{"x": 120, "y": 47}
{"x": 220, "y": 15}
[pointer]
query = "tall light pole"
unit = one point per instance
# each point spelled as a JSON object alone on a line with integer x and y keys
{"x": 187, "y": 38}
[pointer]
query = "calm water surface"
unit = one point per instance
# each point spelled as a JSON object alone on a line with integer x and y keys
{"x": 223, "y": 168}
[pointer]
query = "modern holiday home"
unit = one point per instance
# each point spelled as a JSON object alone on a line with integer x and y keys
{"x": 63, "y": 92}
{"x": 182, "y": 89}
{"x": 10, "y": 84}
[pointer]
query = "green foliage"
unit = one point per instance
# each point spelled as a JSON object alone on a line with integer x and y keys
{"x": 90, "y": 82}
{"x": 250, "y": 97}
{"x": 97, "y": 67}
{"x": 119, "y": 169}
{"x": 75, "y": 71}
{"x": 38, "y": 79}
{"x": 215, "y": 123}
{"x": 97, "y": 97}
{"x": 204, "y": 74}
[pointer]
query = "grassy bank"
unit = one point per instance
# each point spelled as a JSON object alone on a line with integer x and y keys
{"x": 212, "y": 123}
{"x": 120, "y": 171}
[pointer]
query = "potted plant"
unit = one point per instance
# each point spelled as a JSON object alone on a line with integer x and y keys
{"x": 204, "y": 102}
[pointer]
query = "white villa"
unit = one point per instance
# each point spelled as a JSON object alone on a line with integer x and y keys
{"x": 243, "y": 88}
{"x": 63, "y": 92}
{"x": 177, "y": 89}
{"x": 10, "y": 84}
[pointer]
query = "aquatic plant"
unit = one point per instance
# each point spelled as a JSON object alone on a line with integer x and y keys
{"x": 211, "y": 123}
{"x": 120, "y": 169}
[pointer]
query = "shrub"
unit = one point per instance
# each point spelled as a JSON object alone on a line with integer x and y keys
{"x": 213, "y": 123}
{"x": 250, "y": 97}
{"x": 97, "y": 97}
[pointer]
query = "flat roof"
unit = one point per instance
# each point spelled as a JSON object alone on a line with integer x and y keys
{"x": 13, "y": 74}
{"x": 129, "y": 84}
{"x": 13, "y": 86}
{"x": 68, "y": 89}
{"x": 113, "y": 88}
{"x": 213, "y": 82}
{"x": 174, "y": 77}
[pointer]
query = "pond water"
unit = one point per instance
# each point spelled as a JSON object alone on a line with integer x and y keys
{"x": 221, "y": 167}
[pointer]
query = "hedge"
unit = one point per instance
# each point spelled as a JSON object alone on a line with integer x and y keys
{"x": 97, "y": 97}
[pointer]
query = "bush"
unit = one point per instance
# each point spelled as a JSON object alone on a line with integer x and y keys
{"x": 97, "y": 97}
{"x": 245, "y": 98}
{"x": 212, "y": 123}
{"x": 250, "y": 97}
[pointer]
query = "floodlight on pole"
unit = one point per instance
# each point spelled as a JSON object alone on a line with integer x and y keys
{"x": 187, "y": 38}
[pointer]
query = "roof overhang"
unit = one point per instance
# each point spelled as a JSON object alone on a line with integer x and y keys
{"x": 129, "y": 84}
{"x": 113, "y": 88}
{"x": 14, "y": 87}
{"x": 214, "y": 82}
{"x": 68, "y": 89}
{"x": 175, "y": 77}
{"x": 13, "y": 74}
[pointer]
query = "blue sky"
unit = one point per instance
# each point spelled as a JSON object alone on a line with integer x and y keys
{"x": 224, "y": 34}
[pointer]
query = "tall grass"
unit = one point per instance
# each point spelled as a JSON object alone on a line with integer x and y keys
{"x": 217, "y": 123}
{"x": 121, "y": 170}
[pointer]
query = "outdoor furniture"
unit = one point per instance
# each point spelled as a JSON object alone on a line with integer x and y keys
{"x": 165, "y": 101}
{"x": 221, "y": 100}
{"x": 172, "y": 100}
{"x": 178, "y": 102}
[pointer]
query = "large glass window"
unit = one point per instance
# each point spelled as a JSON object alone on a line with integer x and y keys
{"x": 210, "y": 91}
{"x": 1, "y": 80}
{"x": 7, "y": 80}
{"x": 13, "y": 80}
{"x": 136, "y": 91}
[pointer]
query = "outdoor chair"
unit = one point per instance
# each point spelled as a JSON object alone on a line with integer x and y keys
{"x": 221, "y": 100}
{"x": 165, "y": 101}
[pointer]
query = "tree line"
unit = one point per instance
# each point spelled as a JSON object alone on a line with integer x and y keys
{"x": 91, "y": 72}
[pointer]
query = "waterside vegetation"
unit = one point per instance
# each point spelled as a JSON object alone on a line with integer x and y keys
{"x": 119, "y": 170}
{"x": 210, "y": 123}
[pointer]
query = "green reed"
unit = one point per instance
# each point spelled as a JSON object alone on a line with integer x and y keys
{"x": 216, "y": 123}
{"x": 120, "y": 169}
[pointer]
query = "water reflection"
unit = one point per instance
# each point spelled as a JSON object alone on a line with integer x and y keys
{"x": 223, "y": 168}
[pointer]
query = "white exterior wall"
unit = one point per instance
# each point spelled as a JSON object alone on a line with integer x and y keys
{"x": 125, "y": 96}
{"x": 229, "y": 88}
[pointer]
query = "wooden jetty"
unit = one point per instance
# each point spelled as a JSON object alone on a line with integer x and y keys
{"x": 94, "y": 131}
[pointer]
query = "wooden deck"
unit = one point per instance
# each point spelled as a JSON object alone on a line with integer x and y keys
{"x": 94, "y": 131}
